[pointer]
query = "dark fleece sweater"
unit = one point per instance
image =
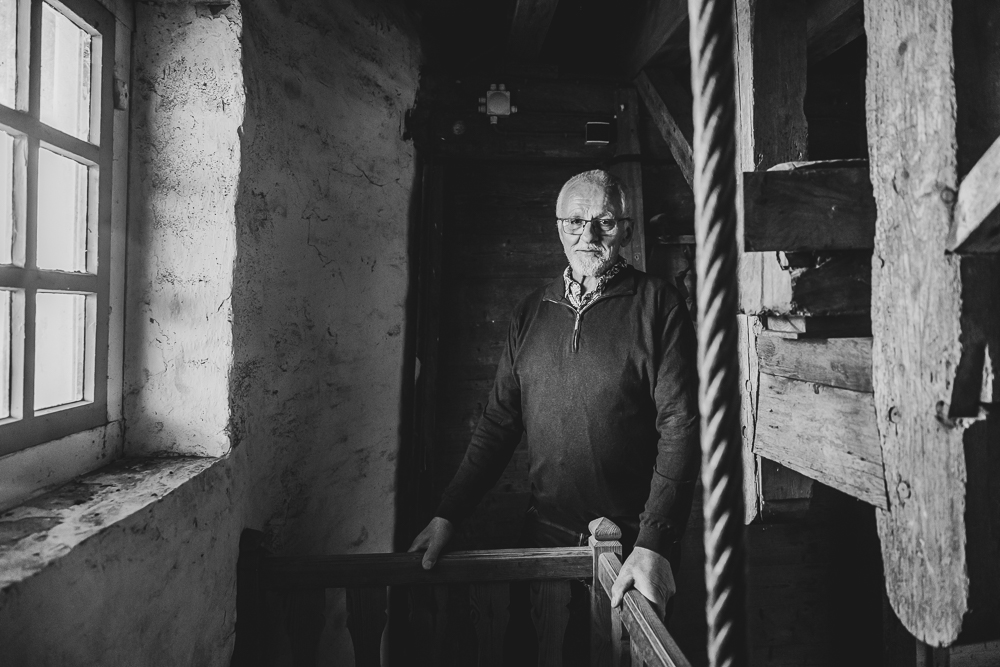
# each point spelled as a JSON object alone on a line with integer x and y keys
{"x": 608, "y": 400}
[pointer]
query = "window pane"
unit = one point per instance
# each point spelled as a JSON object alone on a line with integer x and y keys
{"x": 8, "y": 51}
{"x": 6, "y": 196}
{"x": 62, "y": 213}
{"x": 65, "y": 74}
{"x": 5, "y": 352}
{"x": 60, "y": 337}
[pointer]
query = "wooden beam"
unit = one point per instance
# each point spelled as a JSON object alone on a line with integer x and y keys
{"x": 976, "y": 227}
{"x": 845, "y": 363}
{"x": 655, "y": 23}
{"x": 678, "y": 138}
{"x": 917, "y": 300}
{"x": 770, "y": 45}
{"x": 532, "y": 19}
{"x": 629, "y": 169}
{"x": 838, "y": 284}
{"x": 832, "y": 24}
{"x": 823, "y": 432}
{"x": 812, "y": 208}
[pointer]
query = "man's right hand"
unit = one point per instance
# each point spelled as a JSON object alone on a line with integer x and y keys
{"x": 432, "y": 540}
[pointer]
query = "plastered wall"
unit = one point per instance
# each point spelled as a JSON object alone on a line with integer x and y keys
{"x": 270, "y": 198}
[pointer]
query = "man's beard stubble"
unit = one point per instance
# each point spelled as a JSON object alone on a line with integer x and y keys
{"x": 588, "y": 264}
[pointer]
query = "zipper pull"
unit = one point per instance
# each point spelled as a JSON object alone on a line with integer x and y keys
{"x": 576, "y": 332}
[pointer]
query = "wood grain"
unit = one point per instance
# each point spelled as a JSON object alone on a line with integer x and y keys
{"x": 604, "y": 538}
{"x": 808, "y": 209}
{"x": 390, "y": 569}
{"x": 823, "y": 432}
{"x": 845, "y": 363}
{"x": 648, "y": 637}
{"x": 916, "y": 312}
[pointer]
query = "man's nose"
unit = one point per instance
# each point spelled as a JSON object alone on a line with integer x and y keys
{"x": 589, "y": 234}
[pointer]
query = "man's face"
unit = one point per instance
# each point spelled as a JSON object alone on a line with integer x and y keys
{"x": 592, "y": 252}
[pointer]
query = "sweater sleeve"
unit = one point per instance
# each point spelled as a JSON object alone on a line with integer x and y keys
{"x": 678, "y": 451}
{"x": 494, "y": 440}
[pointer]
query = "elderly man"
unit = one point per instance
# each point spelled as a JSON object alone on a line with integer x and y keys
{"x": 598, "y": 371}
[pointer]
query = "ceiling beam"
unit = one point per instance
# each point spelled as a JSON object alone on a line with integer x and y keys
{"x": 532, "y": 19}
{"x": 678, "y": 138}
{"x": 655, "y": 23}
{"x": 832, "y": 24}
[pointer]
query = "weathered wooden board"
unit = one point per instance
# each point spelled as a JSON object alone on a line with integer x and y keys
{"x": 812, "y": 208}
{"x": 771, "y": 125}
{"x": 839, "y": 285}
{"x": 845, "y": 363}
{"x": 824, "y": 432}
{"x": 655, "y": 23}
{"x": 853, "y": 326}
{"x": 532, "y": 19}
{"x": 916, "y": 312}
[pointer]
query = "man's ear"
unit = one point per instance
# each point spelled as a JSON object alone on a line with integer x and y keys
{"x": 628, "y": 234}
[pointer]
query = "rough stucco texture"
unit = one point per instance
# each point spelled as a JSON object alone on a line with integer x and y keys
{"x": 187, "y": 105}
{"x": 265, "y": 322}
{"x": 322, "y": 273}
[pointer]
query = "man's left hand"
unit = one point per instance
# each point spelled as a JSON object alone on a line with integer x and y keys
{"x": 649, "y": 573}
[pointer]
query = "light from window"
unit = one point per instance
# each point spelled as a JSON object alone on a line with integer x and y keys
{"x": 66, "y": 72}
{"x": 5, "y": 352}
{"x": 60, "y": 348}
{"x": 6, "y": 197}
{"x": 8, "y": 51}
{"x": 62, "y": 213}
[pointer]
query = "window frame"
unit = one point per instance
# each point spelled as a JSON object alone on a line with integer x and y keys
{"x": 27, "y": 427}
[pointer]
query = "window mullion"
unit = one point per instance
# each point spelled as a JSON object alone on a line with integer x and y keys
{"x": 35, "y": 66}
{"x": 28, "y": 355}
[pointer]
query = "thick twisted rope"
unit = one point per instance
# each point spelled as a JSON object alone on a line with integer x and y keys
{"x": 719, "y": 395}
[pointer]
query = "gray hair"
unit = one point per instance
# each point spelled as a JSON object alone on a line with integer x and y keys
{"x": 597, "y": 178}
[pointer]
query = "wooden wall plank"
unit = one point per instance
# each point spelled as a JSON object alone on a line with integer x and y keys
{"x": 532, "y": 19}
{"x": 823, "y": 432}
{"x": 916, "y": 312}
{"x": 808, "y": 209}
{"x": 836, "y": 362}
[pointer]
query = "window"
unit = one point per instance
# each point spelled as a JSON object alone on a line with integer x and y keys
{"x": 56, "y": 127}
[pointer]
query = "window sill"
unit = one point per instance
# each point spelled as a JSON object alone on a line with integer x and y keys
{"x": 39, "y": 532}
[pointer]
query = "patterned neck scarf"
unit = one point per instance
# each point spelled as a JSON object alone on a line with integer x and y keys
{"x": 574, "y": 290}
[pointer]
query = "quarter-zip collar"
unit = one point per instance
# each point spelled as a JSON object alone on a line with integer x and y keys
{"x": 621, "y": 284}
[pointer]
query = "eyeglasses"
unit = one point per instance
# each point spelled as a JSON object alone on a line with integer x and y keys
{"x": 575, "y": 226}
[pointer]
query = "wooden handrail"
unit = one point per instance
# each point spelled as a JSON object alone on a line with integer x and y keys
{"x": 399, "y": 569}
{"x": 651, "y": 644}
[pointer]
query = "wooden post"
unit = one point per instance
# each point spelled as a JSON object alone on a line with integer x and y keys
{"x": 770, "y": 43}
{"x": 550, "y": 615}
{"x": 605, "y": 624}
{"x": 629, "y": 170}
{"x": 366, "y": 616}
{"x": 489, "y": 603}
{"x": 932, "y": 113}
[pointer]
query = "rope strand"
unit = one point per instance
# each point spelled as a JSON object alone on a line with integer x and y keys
{"x": 712, "y": 78}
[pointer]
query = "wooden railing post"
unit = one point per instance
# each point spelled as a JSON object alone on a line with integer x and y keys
{"x": 366, "y": 617}
{"x": 605, "y": 537}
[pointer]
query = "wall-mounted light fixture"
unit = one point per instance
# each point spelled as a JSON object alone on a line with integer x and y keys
{"x": 496, "y": 103}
